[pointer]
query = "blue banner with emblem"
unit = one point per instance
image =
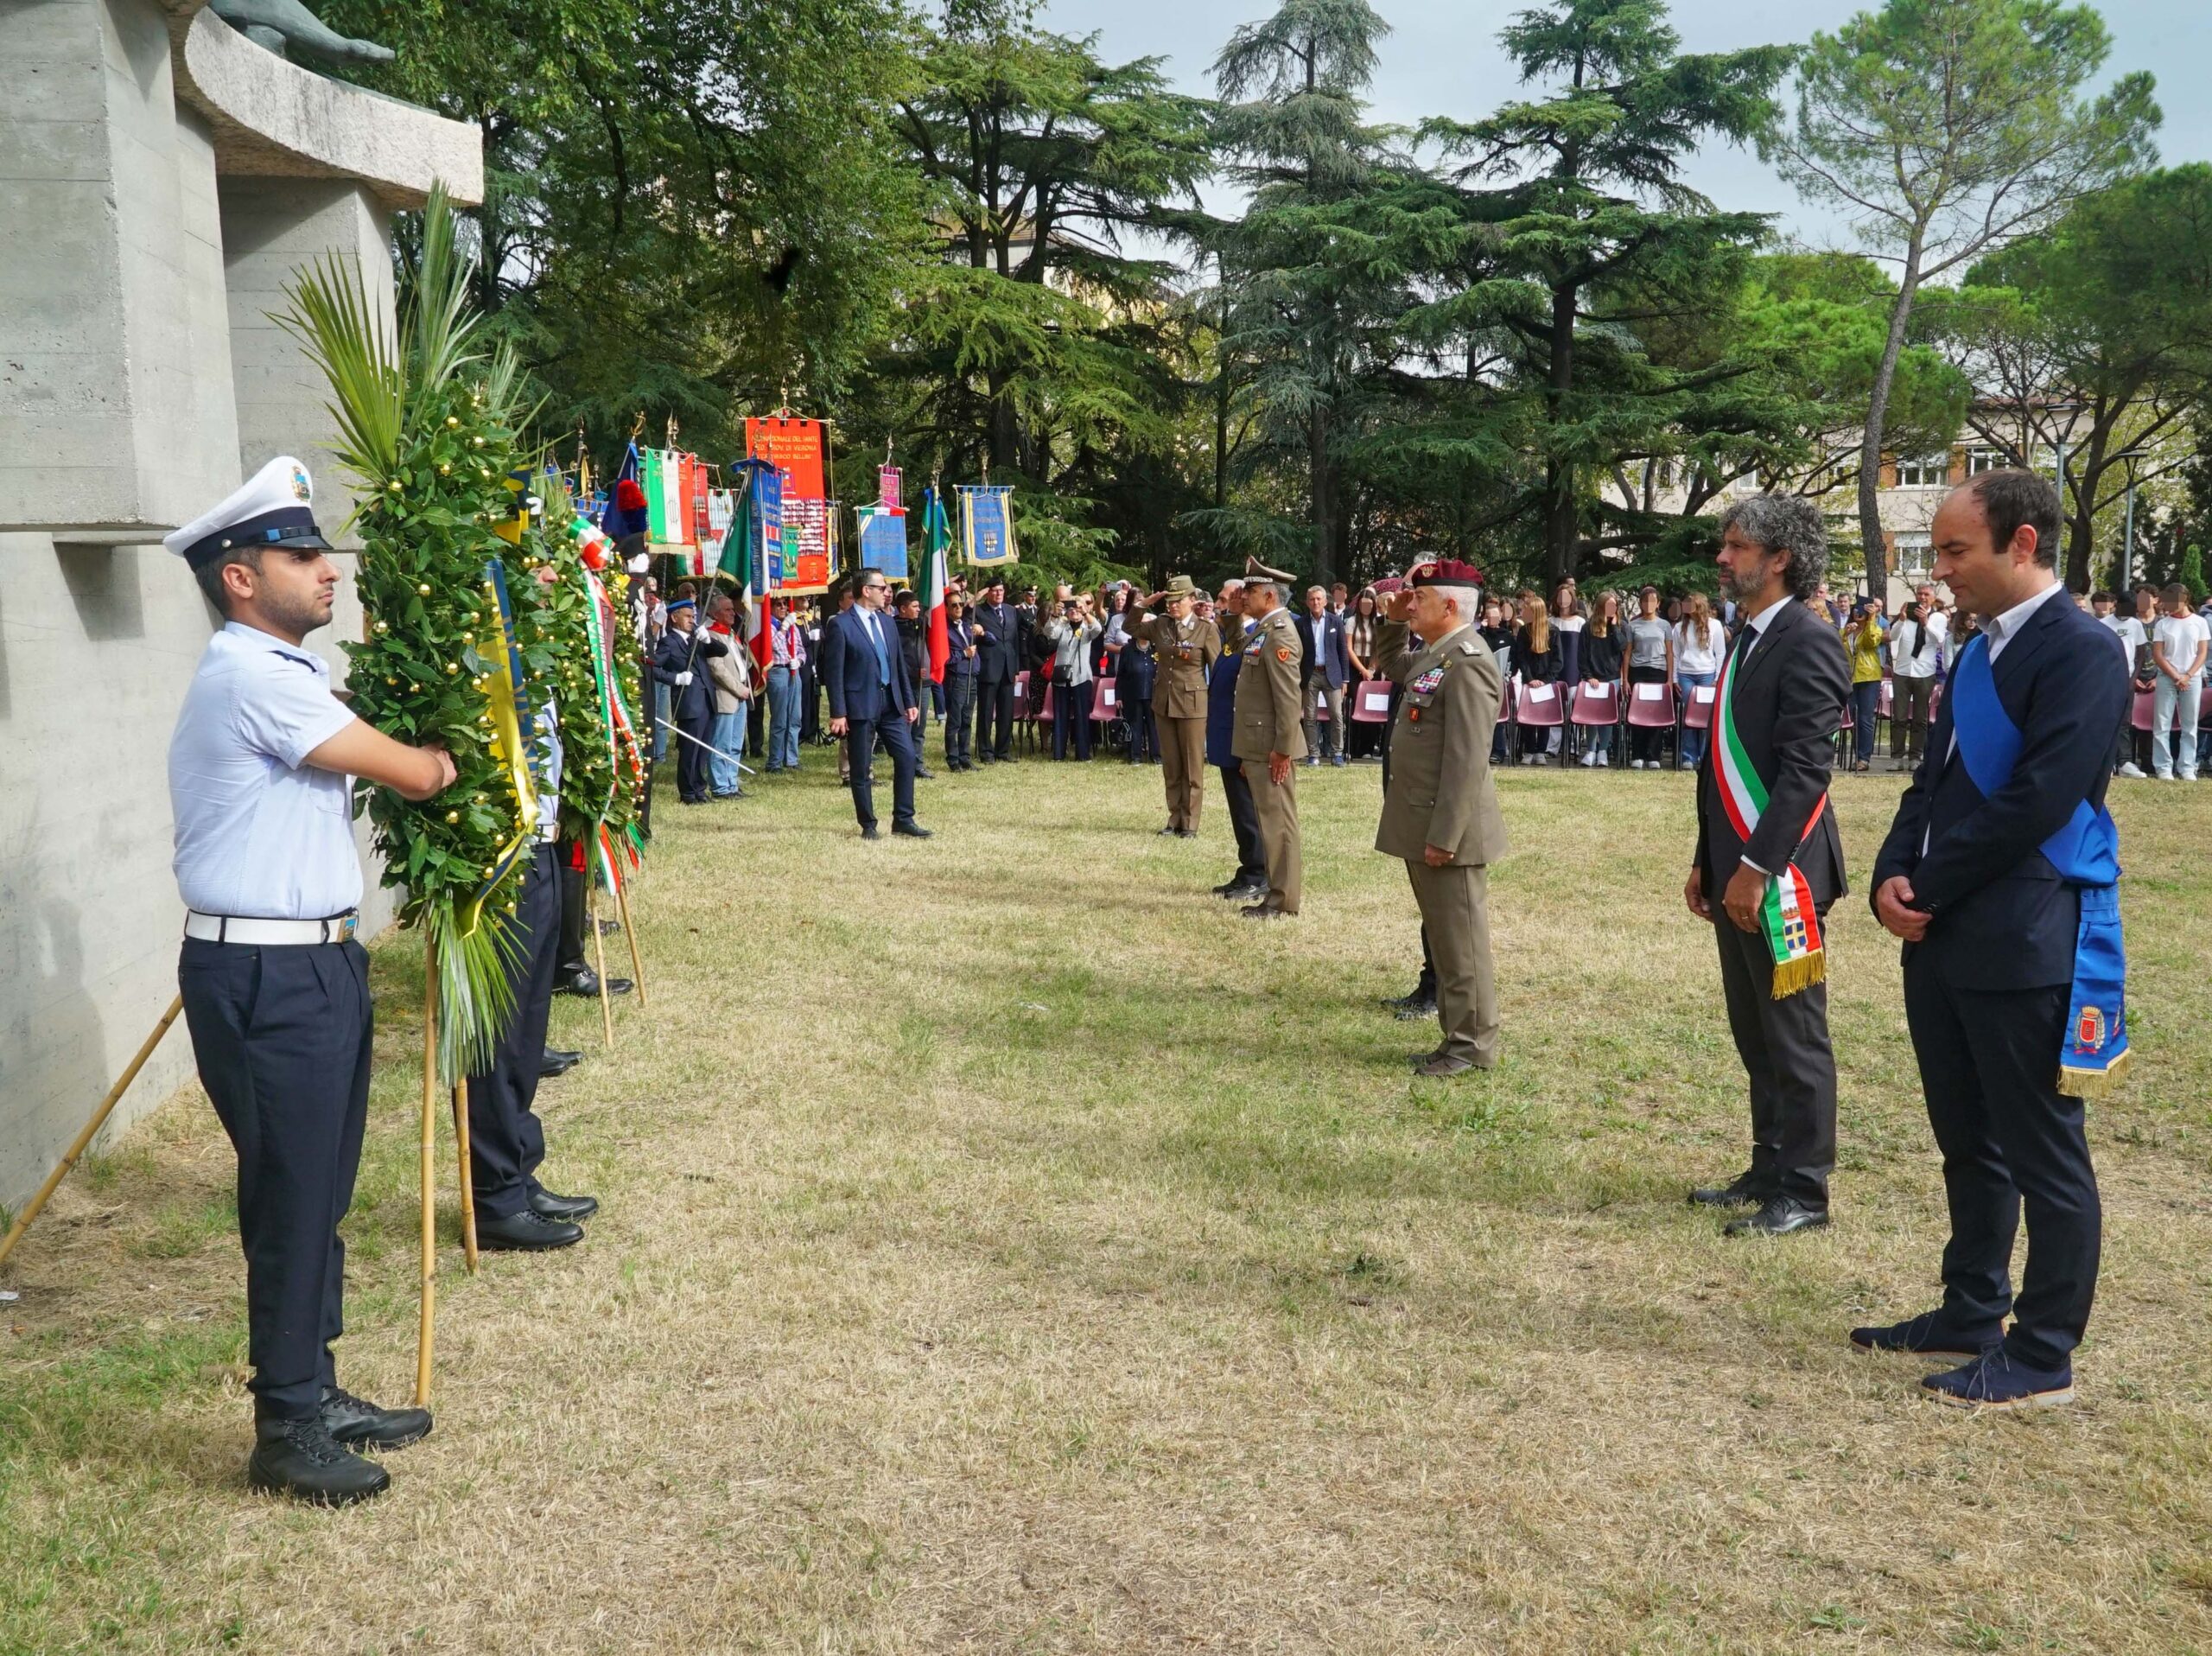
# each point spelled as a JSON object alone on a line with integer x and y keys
{"x": 2085, "y": 853}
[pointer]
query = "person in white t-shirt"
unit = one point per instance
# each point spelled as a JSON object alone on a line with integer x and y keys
{"x": 2137, "y": 643}
{"x": 1700, "y": 643}
{"x": 2178, "y": 642}
{"x": 1916, "y": 657}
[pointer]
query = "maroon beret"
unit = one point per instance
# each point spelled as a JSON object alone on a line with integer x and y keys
{"x": 1448, "y": 572}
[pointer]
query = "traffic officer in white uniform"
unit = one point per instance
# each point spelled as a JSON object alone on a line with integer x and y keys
{"x": 276, "y": 987}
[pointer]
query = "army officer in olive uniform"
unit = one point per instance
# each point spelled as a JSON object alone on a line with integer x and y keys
{"x": 1440, "y": 811}
{"x": 1269, "y": 734}
{"x": 1185, "y": 648}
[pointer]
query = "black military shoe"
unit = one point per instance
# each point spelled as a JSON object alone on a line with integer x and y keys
{"x": 300, "y": 1458}
{"x": 528, "y": 1232}
{"x": 1742, "y": 1191}
{"x": 546, "y": 1205}
{"x": 353, "y": 1420}
{"x": 910, "y": 831}
{"x": 1780, "y": 1216}
{"x": 871, "y": 832}
{"x": 556, "y": 1062}
{"x": 1414, "y": 1008}
{"x": 584, "y": 982}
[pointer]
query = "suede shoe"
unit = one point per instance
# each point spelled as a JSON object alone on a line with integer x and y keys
{"x": 528, "y": 1232}
{"x": 1779, "y": 1216}
{"x": 556, "y": 1062}
{"x": 300, "y": 1458}
{"x": 546, "y": 1205}
{"x": 1742, "y": 1191}
{"x": 1445, "y": 1065}
{"x": 1260, "y": 911}
{"x": 1928, "y": 1335}
{"x": 1993, "y": 1381}
{"x": 351, "y": 1420}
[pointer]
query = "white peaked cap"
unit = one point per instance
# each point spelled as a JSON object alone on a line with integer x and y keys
{"x": 273, "y": 507}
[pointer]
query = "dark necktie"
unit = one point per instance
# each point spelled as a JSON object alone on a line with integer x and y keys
{"x": 882, "y": 659}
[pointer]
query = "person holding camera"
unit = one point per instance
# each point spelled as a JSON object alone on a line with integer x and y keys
{"x": 1071, "y": 633}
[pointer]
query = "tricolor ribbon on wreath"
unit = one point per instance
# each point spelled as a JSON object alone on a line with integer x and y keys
{"x": 2094, "y": 1053}
{"x": 1787, "y": 918}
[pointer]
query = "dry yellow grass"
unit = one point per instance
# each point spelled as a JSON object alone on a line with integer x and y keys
{"x": 1006, "y": 1249}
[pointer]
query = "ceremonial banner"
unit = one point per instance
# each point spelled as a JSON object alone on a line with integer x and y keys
{"x": 937, "y": 537}
{"x": 986, "y": 524}
{"x": 722, "y": 516}
{"x": 888, "y": 484}
{"x": 883, "y": 540}
{"x": 799, "y": 448}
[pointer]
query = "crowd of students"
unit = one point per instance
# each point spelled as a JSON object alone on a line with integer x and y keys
{"x": 1586, "y": 654}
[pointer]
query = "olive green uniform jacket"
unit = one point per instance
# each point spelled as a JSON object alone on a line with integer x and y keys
{"x": 1441, "y": 790}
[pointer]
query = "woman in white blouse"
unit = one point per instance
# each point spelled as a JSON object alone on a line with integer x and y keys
{"x": 1699, "y": 642}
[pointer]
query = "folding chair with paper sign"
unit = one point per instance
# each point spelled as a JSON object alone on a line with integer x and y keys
{"x": 1370, "y": 703}
{"x": 1540, "y": 707}
{"x": 1651, "y": 707}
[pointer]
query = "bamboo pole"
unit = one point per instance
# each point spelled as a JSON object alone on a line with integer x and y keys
{"x": 424, "y": 1329}
{"x": 99, "y": 1117}
{"x": 467, "y": 1181}
{"x": 598, "y": 948}
{"x": 637, "y": 961}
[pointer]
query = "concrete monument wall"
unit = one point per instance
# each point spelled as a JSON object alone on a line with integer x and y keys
{"x": 163, "y": 178}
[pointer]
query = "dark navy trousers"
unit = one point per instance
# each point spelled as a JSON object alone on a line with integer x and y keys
{"x": 898, "y": 738}
{"x": 506, "y": 1141}
{"x": 282, "y": 1034}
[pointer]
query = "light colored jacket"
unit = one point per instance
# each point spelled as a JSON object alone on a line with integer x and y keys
{"x": 732, "y": 671}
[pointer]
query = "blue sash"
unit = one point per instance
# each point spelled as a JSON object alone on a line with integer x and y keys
{"x": 2085, "y": 853}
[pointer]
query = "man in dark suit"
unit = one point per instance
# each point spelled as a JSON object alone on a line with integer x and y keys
{"x": 681, "y": 663}
{"x": 1768, "y": 850}
{"x": 1250, "y": 882}
{"x": 872, "y": 692}
{"x": 1984, "y": 887}
{"x": 1327, "y": 670}
{"x": 1001, "y": 632}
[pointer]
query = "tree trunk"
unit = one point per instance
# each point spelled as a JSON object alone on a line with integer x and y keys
{"x": 1870, "y": 446}
{"x": 1562, "y": 521}
{"x": 2088, "y": 477}
{"x": 1322, "y": 486}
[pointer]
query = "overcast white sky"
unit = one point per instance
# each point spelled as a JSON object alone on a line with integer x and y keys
{"x": 1443, "y": 59}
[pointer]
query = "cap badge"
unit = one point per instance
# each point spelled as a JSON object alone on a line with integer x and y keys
{"x": 301, "y": 490}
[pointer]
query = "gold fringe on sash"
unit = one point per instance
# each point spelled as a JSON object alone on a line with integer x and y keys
{"x": 1804, "y": 972}
{"x": 2094, "y": 1083}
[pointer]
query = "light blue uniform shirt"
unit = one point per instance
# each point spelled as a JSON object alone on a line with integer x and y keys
{"x": 260, "y": 834}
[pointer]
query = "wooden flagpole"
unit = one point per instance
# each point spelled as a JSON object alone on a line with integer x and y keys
{"x": 598, "y": 948}
{"x": 32, "y": 1207}
{"x": 637, "y": 961}
{"x": 467, "y": 1181}
{"x": 424, "y": 1329}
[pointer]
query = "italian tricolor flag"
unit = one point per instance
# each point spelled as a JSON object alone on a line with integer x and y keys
{"x": 937, "y": 537}
{"x": 1793, "y": 930}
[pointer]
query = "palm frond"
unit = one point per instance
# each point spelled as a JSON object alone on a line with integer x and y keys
{"x": 439, "y": 324}
{"x": 476, "y": 995}
{"x": 343, "y": 331}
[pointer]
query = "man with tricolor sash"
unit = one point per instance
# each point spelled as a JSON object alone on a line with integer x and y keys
{"x": 2001, "y": 875}
{"x": 1769, "y": 859}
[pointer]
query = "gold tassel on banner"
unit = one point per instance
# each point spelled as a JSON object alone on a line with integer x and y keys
{"x": 2092, "y": 1084}
{"x": 1801, "y": 973}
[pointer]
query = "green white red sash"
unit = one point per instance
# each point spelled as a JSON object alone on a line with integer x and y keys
{"x": 1793, "y": 930}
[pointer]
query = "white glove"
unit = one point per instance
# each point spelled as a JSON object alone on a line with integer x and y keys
{"x": 684, "y": 677}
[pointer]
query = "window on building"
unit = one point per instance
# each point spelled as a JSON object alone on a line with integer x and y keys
{"x": 1911, "y": 552}
{"x": 1982, "y": 460}
{"x": 1929, "y": 468}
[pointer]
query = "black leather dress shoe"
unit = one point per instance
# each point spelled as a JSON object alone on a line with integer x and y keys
{"x": 871, "y": 832}
{"x": 556, "y": 1062}
{"x": 1415, "y": 1009}
{"x": 351, "y": 1420}
{"x": 910, "y": 831}
{"x": 584, "y": 982}
{"x": 1742, "y": 1191}
{"x": 1240, "y": 890}
{"x": 300, "y": 1458}
{"x": 527, "y": 1232}
{"x": 1780, "y": 1216}
{"x": 547, "y": 1205}
{"x": 926, "y": 774}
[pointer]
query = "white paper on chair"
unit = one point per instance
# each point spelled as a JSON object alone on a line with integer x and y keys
{"x": 1703, "y": 694}
{"x": 1651, "y": 692}
{"x": 1376, "y": 701}
{"x": 1539, "y": 692}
